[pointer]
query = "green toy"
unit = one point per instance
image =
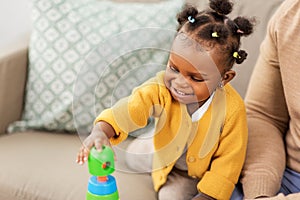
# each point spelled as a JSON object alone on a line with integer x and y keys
{"x": 102, "y": 186}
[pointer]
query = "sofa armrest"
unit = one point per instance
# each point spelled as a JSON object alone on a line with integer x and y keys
{"x": 13, "y": 73}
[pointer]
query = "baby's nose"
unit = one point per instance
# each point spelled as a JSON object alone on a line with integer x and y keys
{"x": 181, "y": 81}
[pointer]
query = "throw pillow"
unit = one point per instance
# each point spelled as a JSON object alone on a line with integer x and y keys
{"x": 86, "y": 54}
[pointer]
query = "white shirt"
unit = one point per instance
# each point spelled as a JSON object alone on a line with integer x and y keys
{"x": 197, "y": 115}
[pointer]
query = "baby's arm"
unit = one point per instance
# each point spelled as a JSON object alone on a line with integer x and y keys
{"x": 127, "y": 115}
{"x": 99, "y": 136}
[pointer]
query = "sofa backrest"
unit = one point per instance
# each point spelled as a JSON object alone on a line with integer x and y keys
{"x": 262, "y": 10}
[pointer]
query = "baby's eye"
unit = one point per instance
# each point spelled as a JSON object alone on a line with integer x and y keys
{"x": 173, "y": 68}
{"x": 196, "y": 79}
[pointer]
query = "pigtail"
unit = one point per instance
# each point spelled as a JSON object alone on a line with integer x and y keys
{"x": 188, "y": 11}
{"x": 221, "y": 7}
{"x": 217, "y": 32}
{"x": 239, "y": 56}
{"x": 244, "y": 26}
{"x": 191, "y": 16}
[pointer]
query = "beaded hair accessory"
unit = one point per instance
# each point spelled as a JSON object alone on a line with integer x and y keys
{"x": 191, "y": 19}
{"x": 214, "y": 34}
{"x": 240, "y": 31}
{"x": 236, "y": 55}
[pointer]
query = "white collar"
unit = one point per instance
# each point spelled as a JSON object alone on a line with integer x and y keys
{"x": 200, "y": 111}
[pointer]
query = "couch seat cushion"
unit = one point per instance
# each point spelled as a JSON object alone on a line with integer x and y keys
{"x": 40, "y": 165}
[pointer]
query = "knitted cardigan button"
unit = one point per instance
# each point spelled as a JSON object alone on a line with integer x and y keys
{"x": 191, "y": 159}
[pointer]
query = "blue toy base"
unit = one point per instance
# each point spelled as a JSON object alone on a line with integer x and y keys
{"x": 102, "y": 190}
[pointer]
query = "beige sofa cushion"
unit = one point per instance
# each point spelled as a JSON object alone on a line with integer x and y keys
{"x": 40, "y": 165}
{"x": 13, "y": 66}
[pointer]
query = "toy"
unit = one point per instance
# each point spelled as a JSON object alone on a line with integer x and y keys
{"x": 101, "y": 186}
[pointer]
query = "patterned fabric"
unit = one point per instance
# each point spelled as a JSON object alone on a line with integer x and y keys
{"x": 86, "y": 54}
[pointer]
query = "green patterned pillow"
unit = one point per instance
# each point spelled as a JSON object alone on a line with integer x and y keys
{"x": 86, "y": 54}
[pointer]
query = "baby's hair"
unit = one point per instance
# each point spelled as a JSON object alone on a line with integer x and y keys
{"x": 213, "y": 28}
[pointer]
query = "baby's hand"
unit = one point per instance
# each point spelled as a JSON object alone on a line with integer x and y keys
{"x": 97, "y": 138}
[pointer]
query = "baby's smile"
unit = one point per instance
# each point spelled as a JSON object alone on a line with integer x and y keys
{"x": 182, "y": 93}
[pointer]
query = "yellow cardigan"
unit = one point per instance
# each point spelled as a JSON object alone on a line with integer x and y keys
{"x": 216, "y": 143}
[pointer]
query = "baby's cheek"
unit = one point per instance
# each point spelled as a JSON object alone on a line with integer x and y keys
{"x": 167, "y": 81}
{"x": 202, "y": 91}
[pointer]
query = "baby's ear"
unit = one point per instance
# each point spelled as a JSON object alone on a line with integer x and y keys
{"x": 228, "y": 76}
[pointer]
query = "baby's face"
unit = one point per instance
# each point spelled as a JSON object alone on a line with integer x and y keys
{"x": 191, "y": 74}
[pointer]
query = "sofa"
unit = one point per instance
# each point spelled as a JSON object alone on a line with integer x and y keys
{"x": 39, "y": 164}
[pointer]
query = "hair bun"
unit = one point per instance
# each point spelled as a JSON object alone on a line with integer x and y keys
{"x": 188, "y": 10}
{"x": 222, "y": 7}
{"x": 242, "y": 55}
{"x": 244, "y": 25}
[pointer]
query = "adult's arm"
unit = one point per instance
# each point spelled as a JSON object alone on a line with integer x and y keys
{"x": 267, "y": 121}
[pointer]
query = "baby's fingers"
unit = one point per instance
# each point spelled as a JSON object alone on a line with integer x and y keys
{"x": 82, "y": 155}
{"x": 99, "y": 143}
{"x": 99, "y": 147}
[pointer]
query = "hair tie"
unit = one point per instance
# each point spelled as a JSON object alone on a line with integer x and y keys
{"x": 236, "y": 55}
{"x": 215, "y": 34}
{"x": 240, "y": 31}
{"x": 191, "y": 19}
